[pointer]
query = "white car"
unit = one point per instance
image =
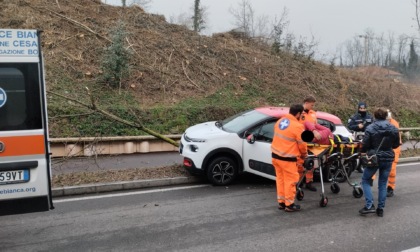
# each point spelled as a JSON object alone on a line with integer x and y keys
{"x": 220, "y": 150}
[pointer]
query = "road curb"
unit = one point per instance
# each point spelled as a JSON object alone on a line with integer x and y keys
{"x": 124, "y": 185}
{"x": 139, "y": 184}
{"x": 408, "y": 159}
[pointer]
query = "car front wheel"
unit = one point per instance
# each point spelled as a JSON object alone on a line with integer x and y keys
{"x": 222, "y": 171}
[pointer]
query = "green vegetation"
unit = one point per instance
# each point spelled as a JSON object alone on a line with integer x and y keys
{"x": 115, "y": 62}
{"x": 69, "y": 120}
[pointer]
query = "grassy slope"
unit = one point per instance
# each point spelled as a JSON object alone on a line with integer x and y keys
{"x": 179, "y": 78}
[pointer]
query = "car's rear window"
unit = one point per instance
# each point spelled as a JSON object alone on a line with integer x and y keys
{"x": 243, "y": 121}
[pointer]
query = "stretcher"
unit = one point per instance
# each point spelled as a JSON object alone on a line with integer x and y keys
{"x": 335, "y": 162}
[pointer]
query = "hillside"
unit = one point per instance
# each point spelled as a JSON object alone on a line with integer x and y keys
{"x": 178, "y": 77}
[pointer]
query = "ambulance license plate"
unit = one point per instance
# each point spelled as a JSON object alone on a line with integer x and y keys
{"x": 11, "y": 177}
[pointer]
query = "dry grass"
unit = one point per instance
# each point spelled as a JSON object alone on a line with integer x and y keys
{"x": 170, "y": 62}
{"x": 82, "y": 178}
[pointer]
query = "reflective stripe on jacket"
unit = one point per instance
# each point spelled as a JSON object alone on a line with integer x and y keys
{"x": 287, "y": 141}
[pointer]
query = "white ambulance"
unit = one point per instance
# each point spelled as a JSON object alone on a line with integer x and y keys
{"x": 25, "y": 173}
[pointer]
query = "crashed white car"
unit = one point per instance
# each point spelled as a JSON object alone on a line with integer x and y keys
{"x": 220, "y": 150}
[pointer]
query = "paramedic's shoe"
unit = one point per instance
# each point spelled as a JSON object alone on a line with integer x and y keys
{"x": 380, "y": 212}
{"x": 292, "y": 208}
{"x": 282, "y": 206}
{"x": 366, "y": 210}
{"x": 310, "y": 187}
{"x": 389, "y": 192}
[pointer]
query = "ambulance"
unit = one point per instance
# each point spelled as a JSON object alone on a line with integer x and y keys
{"x": 25, "y": 167}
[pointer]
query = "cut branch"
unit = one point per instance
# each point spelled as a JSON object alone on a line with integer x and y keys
{"x": 77, "y": 23}
{"x": 116, "y": 118}
{"x": 186, "y": 75}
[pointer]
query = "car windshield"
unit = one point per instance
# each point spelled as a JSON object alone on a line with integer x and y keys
{"x": 242, "y": 121}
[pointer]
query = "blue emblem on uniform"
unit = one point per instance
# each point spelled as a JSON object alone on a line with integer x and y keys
{"x": 284, "y": 124}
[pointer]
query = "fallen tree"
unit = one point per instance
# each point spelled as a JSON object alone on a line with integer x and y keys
{"x": 138, "y": 125}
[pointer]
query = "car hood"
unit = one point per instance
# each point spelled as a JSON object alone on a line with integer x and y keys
{"x": 204, "y": 130}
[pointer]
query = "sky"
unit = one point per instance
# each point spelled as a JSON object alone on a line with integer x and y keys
{"x": 331, "y": 22}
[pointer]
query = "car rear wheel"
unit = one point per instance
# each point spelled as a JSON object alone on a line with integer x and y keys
{"x": 222, "y": 171}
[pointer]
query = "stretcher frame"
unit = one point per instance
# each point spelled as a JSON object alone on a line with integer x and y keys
{"x": 318, "y": 159}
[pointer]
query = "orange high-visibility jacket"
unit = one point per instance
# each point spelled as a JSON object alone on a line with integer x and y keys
{"x": 309, "y": 116}
{"x": 397, "y": 150}
{"x": 287, "y": 142}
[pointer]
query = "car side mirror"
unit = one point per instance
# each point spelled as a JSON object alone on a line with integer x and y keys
{"x": 250, "y": 139}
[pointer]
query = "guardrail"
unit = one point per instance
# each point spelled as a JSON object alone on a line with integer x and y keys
{"x": 407, "y": 134}
{"x": 93, "y": 146}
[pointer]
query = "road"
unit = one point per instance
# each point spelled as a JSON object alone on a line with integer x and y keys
{"x": 241, "y": 217}
{"x": 120, "y": 162}
{"x": 115, "y": 162}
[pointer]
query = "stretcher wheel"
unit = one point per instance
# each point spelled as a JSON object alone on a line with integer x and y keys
{"x": 300, "y": 194}
{"x": 335, "y": 188}
{"x": 357, "y": 192}
{"x": 323, "y": 202}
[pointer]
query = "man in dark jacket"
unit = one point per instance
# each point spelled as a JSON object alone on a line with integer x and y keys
{"x": 381, "y": 138}
{"x": 358, "y": 123}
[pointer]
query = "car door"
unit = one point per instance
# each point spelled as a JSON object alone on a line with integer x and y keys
{"x": 257, "y": 155}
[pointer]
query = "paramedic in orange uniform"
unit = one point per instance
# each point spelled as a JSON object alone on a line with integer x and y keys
{"x": 397, "y": 151}
{"x": 286, "y": 148}
{"x": 308, "y": 115}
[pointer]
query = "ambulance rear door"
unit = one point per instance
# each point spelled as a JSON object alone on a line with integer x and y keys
{"x": 25, "y": 176}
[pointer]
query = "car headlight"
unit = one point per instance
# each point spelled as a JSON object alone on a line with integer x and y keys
{"x": 195, "y": 140}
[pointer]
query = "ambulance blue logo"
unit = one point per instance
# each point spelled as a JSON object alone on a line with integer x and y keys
{"x": 284, "y": 124}
{"x": 3, "y": 97}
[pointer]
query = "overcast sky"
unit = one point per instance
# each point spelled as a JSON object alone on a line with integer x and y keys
{"x": 331, "y": 22}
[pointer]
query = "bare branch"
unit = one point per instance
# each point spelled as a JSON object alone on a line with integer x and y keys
{"x": 75, "y": 22}
{"x": 186, "y": 75}
{"x": 116, "y": 118}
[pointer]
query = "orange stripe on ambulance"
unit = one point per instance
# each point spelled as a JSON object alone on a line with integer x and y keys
{"x": 24, "y": 147}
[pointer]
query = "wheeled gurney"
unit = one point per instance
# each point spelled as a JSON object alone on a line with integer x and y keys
{"x": 334, "y": 162}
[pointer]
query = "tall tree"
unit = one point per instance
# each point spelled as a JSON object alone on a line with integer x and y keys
{"x": 143, "y": 3}
{"x": 401, "y": 57}
{"x": 279, "y": 30}
{"x": 417, "y": 5}
{"x": 198, "y": 18}
{"x": 412, "y": 66}
{"x": 244, "y": 16}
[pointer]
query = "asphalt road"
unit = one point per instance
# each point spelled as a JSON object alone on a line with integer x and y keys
{"x": 241, "y": 217}
{"x": 121, "y": 162}
{"x": 115, "y": 162}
